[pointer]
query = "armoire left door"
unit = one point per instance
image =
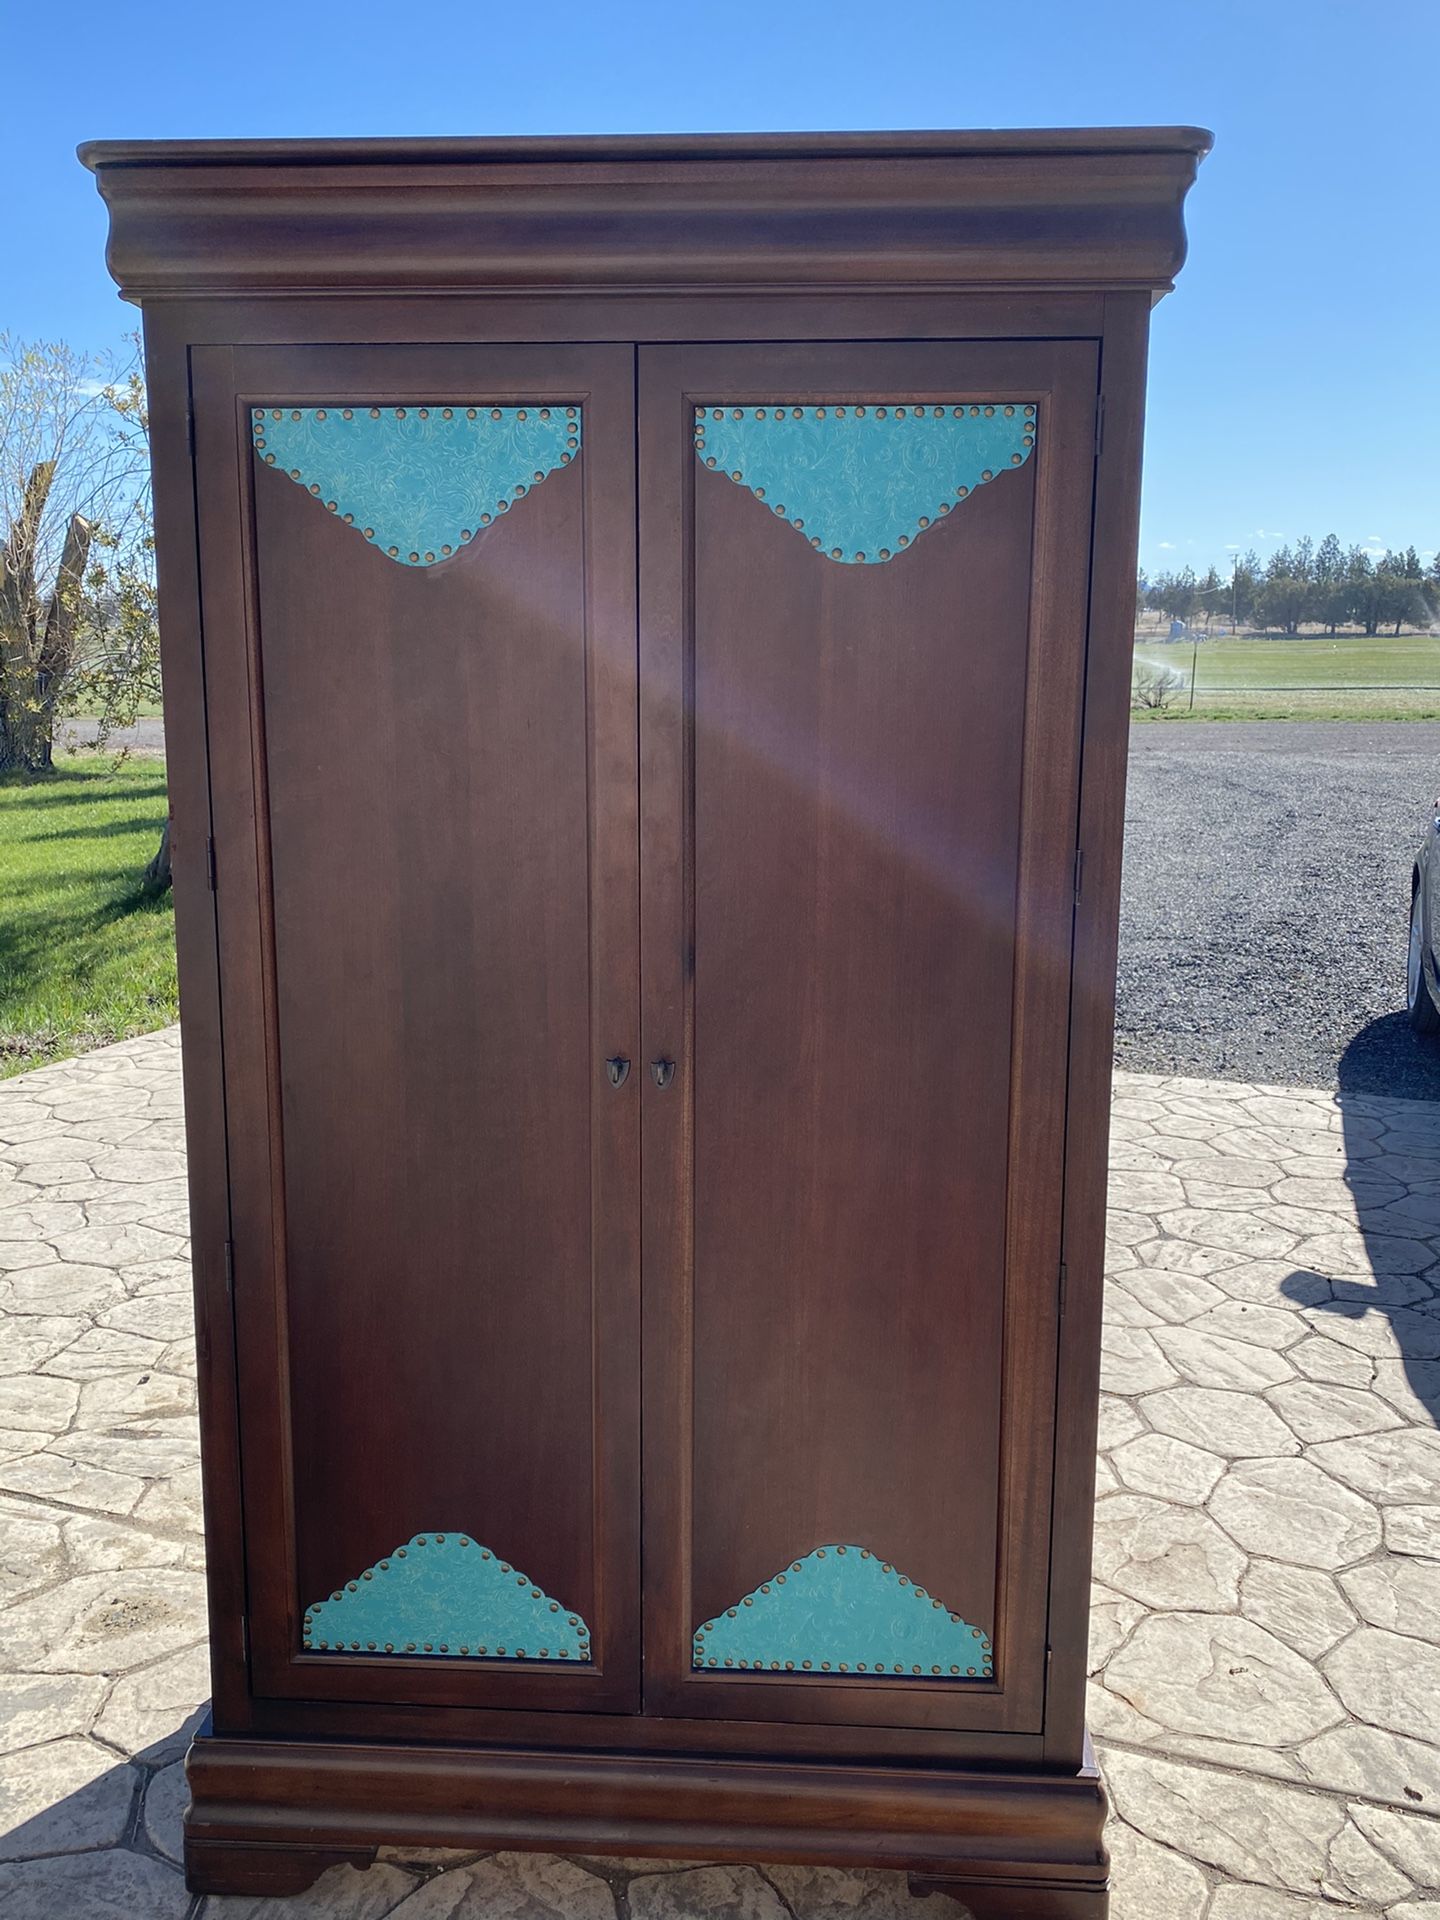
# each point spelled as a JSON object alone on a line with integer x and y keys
{"x": 417, "y": 583}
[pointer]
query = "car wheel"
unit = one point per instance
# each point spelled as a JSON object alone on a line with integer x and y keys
{"x": 1424, "y": 1015}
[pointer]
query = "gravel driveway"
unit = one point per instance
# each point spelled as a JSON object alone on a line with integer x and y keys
{"x": 1267, "y": 868}
{"x": 147, "y": 735}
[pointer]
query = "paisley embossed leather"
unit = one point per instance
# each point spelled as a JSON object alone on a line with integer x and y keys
{"x": 862, "y": 483}
{"x": 419, "y": 483}
{"x": 843, "y": 1610}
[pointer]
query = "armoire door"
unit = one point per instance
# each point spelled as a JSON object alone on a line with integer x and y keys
{"x": 418, "y": 598}
{"x": 862, "y": 608}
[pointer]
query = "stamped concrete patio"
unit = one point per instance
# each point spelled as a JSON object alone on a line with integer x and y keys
{"x": 1267, "y": 1623}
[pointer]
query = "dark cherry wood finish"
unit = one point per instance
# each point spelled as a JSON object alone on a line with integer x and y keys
{"x": 678, "y": 759}
{"x": 1098, "y": 208}
{"x": 859, "y": 790}
{"x": 433, "y": 1186}
{"x": 976, "y": 1832}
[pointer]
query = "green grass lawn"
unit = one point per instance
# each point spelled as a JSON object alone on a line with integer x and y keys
{"x": 1309, "y": 677}
{"x": 85, "y": 957}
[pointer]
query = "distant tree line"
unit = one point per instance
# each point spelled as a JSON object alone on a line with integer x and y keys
{"x": 1307, "y": 584}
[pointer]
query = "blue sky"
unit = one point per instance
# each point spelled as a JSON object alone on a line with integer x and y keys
{"x": 1294, "y": 383}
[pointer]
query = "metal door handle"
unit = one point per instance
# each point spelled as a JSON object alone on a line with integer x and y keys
{"x": 618, "y": 1070}
{"x": 662, "y": 1072}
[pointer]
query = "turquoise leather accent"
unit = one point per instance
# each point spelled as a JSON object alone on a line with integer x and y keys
{"x": 842, "y": 1610}
{"x": 445, "y": 1594}
{"x": 418, "y": 482}
{"x": 861, "y": 483}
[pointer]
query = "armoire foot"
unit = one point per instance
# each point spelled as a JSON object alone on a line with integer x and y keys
{"x": 1016, "y": 1900}
{"x": 239, "y": 1866}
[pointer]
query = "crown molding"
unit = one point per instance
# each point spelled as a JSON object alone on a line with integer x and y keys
{"x": 1094, "y": 209}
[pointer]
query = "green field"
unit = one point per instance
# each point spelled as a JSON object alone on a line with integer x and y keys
{"x": 85, "y": 956}
{"x": 144, "y": 709}
{"x": 1311, "y": 677}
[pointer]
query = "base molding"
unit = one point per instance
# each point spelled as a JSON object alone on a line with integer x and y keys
{"x": 271, "y": 1815}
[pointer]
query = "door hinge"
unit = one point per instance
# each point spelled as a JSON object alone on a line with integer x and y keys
{"x": 1079, "y": 872}
{"x": 229, "y": 1269}
{"x": 1099, "y": 426}
{"x": 1064, "y": 1285}
{"x": 210, "y": 861}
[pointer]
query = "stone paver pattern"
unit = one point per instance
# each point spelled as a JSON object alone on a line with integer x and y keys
{"x": 1266, "y": 1630}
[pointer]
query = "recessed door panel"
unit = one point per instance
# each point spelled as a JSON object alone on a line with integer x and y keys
{"x": 425, "y": 733}
{"x": 859, "y": 786}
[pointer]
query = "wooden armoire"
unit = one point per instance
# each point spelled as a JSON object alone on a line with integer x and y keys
{"x": 646, "y": 634}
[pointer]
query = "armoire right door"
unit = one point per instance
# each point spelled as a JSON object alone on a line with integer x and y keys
{"x": 863, "y": 577}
